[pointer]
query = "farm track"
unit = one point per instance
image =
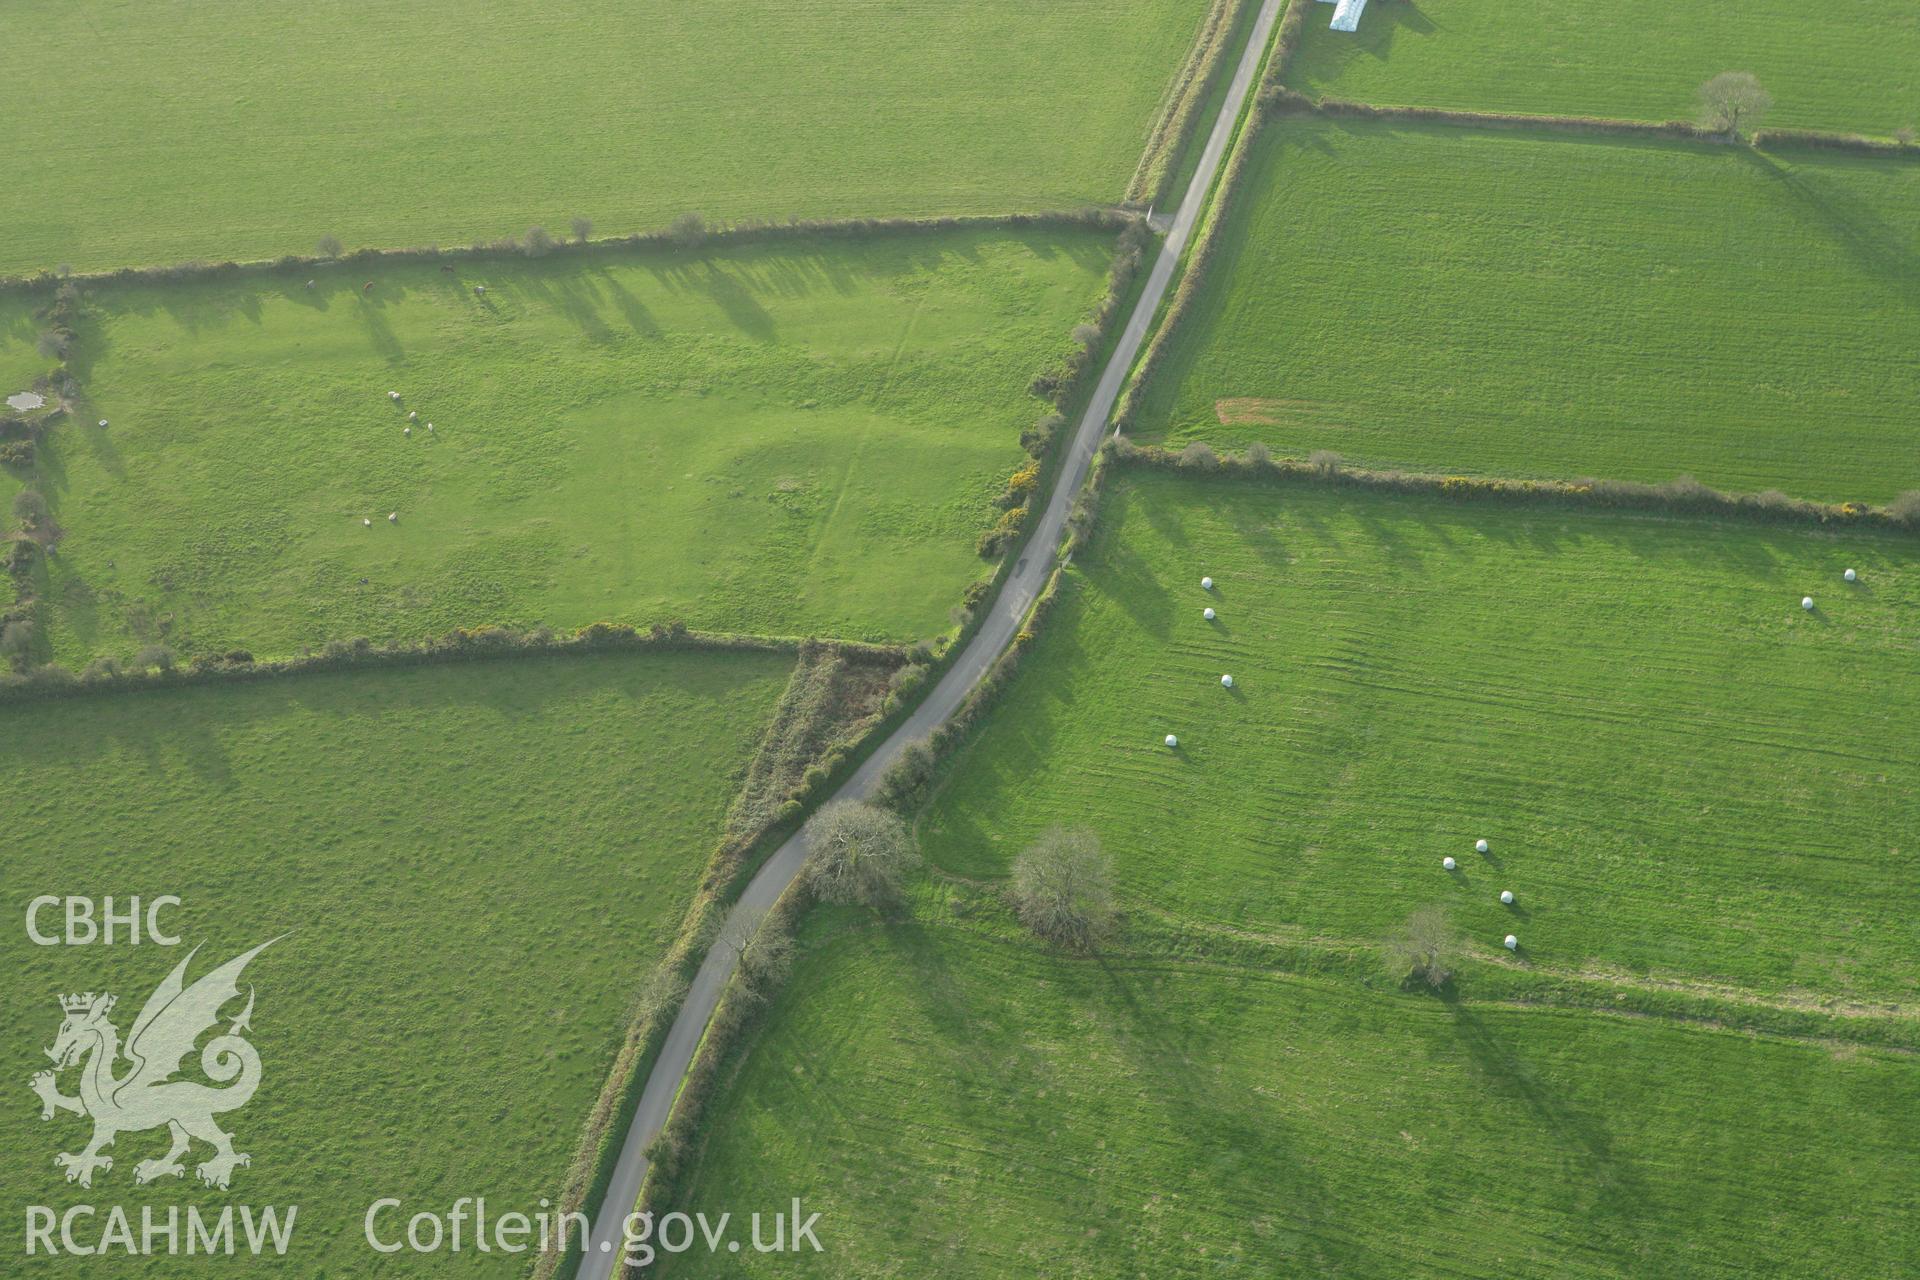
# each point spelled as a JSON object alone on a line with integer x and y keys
{"x": 996, "y": 632}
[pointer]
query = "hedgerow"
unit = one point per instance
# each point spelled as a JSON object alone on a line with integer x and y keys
{"x": 1681, "y": 494}
{"x": 676, "y": 237}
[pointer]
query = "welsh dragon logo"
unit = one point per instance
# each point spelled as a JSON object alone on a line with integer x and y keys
{"x": 148, "y": 1095}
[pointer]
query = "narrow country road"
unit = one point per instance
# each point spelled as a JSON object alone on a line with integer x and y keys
{"x": 1022, "y": 587}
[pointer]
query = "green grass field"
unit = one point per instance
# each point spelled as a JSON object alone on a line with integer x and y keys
{"x": 158, "y": 132}
{"x": 1855, "y": 68}
{"x": 987, "y": 1109}
{"x": 1499, "y": 302}
{"x": 780, "y": 439}
{"x": 1682, "y": 775}
{"x": 475, "y": 864}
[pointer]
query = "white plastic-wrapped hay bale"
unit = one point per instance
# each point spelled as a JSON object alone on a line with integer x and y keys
{"x": 1226, "y": 682}
{"x": 1207, "y": 613}
{"x": 1851, "y": 576}
{"x": 1479, "y": 846}
{"x": 1806, "y": 602}
{"x": 1506, "y": 897}
{"x": 1511, "y": 943}
{"x": 1206, "y": 584}
{"x": 1448, "y": 862}
{"x": 103, "y": 422}
{"x": 1172, "y": 741}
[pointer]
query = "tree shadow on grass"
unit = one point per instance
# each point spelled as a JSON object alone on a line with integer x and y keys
{"x": 1222, "y": 1120}
{"x": 1619, "y": 1196}
{"x": 1883, "y": 252}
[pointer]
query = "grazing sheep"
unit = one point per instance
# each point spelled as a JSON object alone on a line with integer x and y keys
{"x": 366, "y": 524}
{"x": 406, "y": 431}
{"x": 393, "y": 395}
{"x": 393, "y": 517}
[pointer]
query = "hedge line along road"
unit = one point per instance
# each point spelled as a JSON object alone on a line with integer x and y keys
{"x": 996, "y": 632}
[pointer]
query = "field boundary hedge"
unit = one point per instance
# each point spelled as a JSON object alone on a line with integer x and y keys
{"x": 21, "y": 435}
{"x": 1191, "y": 89}
{"x": 1280, "y": 101}
{"x": 1226, "y": 189}
{"x": 462, "y": 644}
{"x": 1683, "y": 494}
{"x": 678, "y": 238}
{"x": 1066, "y": 391}
{"x": 909, "y": 783}
{"x": 739, "y": 852}
{"x": 716, "y": 1059}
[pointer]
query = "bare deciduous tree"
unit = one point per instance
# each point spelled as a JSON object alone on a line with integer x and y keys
{"x": 582, "y": 228}
{"x": 689, "y": 229}
{"x": 1733, "y": 101}
{"x": 1063, "y": 887}
{"x": 857, "y": 853}
{"x": 1200, "y": 454}
{"x": 1423, "y": 950}
{"x": 330, "y": 246}
{"x": 764, "y": 954}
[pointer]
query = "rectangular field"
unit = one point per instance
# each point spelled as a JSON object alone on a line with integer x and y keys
{"x": 990, "y": 1109}
{"x": 1516, "y": 303}
{"x": 791, "y": 438}
{"x": 165, "y": 130}
{"x": 475, "y": 866}
{"x": 1853, "y": 68}
{"x": 1683, "y": 776}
